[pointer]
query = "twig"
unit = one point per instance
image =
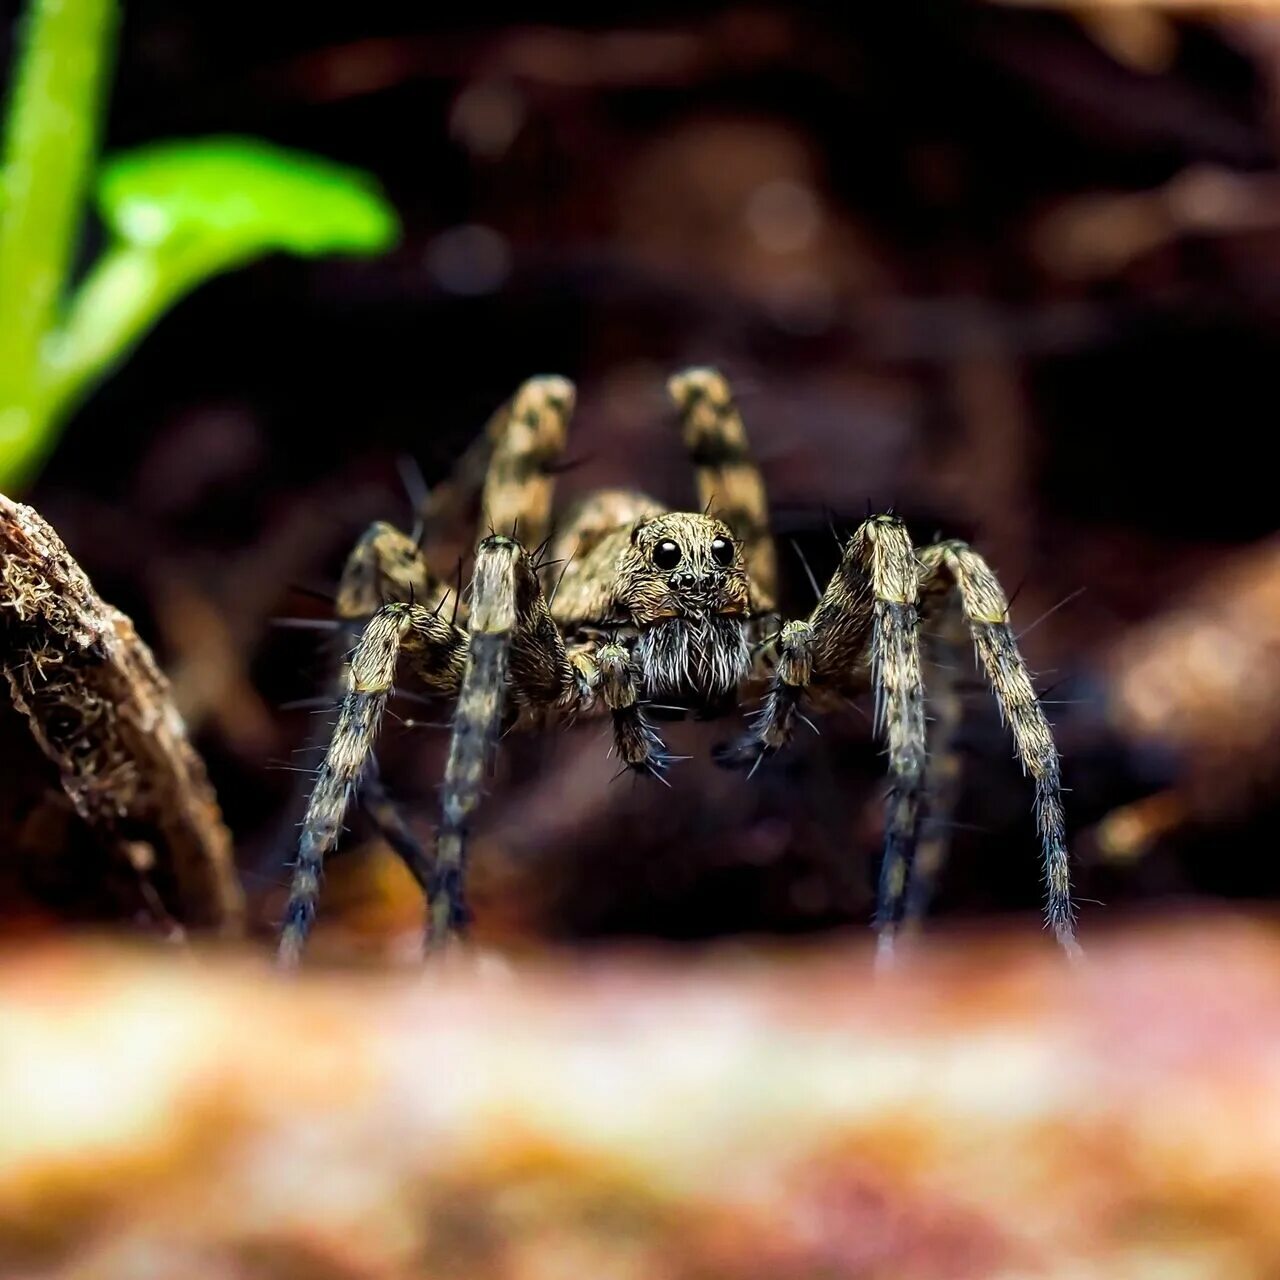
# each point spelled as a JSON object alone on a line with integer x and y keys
{"x": 100, "y": 710}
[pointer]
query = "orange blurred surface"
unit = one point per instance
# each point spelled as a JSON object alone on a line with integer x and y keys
{"x": 987, "y": 1112}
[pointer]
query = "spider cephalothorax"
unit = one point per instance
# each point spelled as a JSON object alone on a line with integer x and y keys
{"x": 635, "y": 605}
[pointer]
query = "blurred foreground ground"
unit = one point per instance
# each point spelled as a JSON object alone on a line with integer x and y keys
{"x": 989, "y": 1112}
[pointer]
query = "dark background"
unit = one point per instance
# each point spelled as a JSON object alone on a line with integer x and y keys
{"x": 1013, "y": 272}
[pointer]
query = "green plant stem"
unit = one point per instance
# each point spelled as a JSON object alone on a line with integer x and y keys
{"x": 50, "y": 140}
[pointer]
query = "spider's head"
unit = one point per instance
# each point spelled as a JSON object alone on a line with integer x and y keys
{"x": 683, "y": 583}
{"x": 681, "y": 565}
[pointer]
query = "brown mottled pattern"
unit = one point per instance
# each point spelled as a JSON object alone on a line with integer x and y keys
{"x": 434, "y": 649}
{"x": 383, "y": 566}
{"x": 541, "y": 672}
{"x": 587, "y": 550}
{"x": 527, "y": 443}
{"x": 387, "y": 566}
{"x": 729, "y": 482}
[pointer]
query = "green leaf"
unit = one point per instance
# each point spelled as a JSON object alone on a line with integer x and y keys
{"x": 50, "y": 130}
{"x": 246, "y": 195}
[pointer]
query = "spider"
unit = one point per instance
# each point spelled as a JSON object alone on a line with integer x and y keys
{"x": 624, "y": 603}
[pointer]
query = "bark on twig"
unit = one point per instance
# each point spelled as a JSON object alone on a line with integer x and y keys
{"x": 99, "y": 708}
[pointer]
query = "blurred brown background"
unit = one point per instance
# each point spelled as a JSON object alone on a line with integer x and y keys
{"x": 1011, "y": 271}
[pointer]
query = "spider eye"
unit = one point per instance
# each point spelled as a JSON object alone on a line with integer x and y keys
{"x": 666, "y": 555}
{"x": 722, "y": 552}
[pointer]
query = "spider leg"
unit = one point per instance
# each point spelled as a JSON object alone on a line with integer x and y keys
{"x": 392, "y": 827}
{"x": 514, "y": 645}
{"x": 434, "y": 649}
{"x": 729, "y": 482}
{"x": 495, "y": 456}
{"x": 894, "y": 572}
{"x": 866, "y": 620}
{"x": 528, "y": 436}
{"x": 385, "y": 564}
{"x": 942, "y": 639}
{"x": 986, "y": 611}
{"x": 635, "y": 740}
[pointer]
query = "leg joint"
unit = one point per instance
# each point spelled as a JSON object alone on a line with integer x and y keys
{"x": 795, "y": 654}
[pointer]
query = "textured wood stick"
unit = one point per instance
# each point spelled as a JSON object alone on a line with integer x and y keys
{"x": 99, "y": 709}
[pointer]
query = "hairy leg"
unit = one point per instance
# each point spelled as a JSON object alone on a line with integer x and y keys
{"x": 986, "y": 610}
{"x": 943, "y": 638}
{"x": 527, "y": 440}
{"x": 514, "y": 643}
{"x": 729, "y": 482}
{"x": 894, "y": 574}
{"x": 875, "y": 593}
{"x": 386, "y": 565}
{"x": 866, "y": 620}
{"x": 386, "y": 573}
{"x": 635, "y": 741}
{"x": 435, "y": 650}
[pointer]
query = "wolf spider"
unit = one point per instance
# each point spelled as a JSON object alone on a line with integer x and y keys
{"x": 635, "y": 604}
